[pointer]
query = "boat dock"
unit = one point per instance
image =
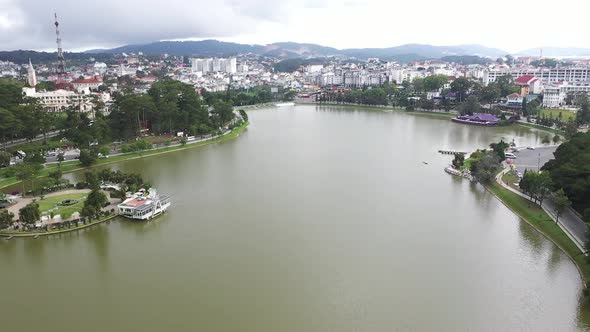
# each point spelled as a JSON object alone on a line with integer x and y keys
{"x": 451, "y": 152}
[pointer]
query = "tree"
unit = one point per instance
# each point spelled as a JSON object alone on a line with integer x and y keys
{"x": 4, "y": 158}
{"x": 30, "y": 214}
{"x": 244, "y": 115}
{"x": 542, "y": 184}
{"x": 435, "y": 82}
{"x": 536, "y": 184}
{"x": 6, "y": 219}
{"x": 509, "y": 59}
{"x": 26, "y": 172}
{"x": 484, "y": 169}
{"x": 570, "y": 170}
{"x": 500, "y": 148}
{"x": 92, "y": 179}
{"x": 94, "y": 203}
{"x": 583, "y": 114}
{"x": 87, "y": 157}
{"x": 418, "y": 84}
{"x": 490, "y": 93}
{"x": 506, "y": 85}
{"x": 461, "y": 86}
{"x": 45, "y": 85}
{"x": 7, "y": 124}
{"x": 561, "y": 203}
{"x": 556, "y": 139}
{"x": 458, "y": 161}
{"x": 570, "y": 128}
{"x": 470, "y": 106}
{"x": 55, "y": 175}
{"x": 222, "y": 113}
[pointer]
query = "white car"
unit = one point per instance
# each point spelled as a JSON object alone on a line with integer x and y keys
{"x": 530, "y": 147}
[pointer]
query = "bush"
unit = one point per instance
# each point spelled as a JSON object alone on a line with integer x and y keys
{"x": 87, "y": 157}
{"x": 136, "y": 146}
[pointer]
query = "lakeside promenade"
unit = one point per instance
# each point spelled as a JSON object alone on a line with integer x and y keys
{"x": 569, "y": 221}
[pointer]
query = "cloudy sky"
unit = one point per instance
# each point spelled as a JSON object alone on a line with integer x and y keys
{"x": 506, "y": 24}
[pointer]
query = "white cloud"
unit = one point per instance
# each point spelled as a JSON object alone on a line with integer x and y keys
{"x": 344, "y": 24}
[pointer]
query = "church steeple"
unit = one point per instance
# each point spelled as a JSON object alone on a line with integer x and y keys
{"x": 31, "y": 76}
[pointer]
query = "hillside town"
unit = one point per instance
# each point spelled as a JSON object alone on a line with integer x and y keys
{"x": 90, "y": 86}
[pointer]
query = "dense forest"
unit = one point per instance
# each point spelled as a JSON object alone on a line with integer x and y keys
{"x": 21, "y": 117}
{"x": 570, "y": 170}
{"x": 252, "y": 96}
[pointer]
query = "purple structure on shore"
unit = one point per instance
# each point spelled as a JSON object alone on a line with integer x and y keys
{"x": 478, "y": 119}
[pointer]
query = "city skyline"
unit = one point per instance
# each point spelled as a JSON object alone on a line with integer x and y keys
{"x": 349, "y": 24}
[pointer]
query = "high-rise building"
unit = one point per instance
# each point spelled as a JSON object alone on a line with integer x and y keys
{"x": 205, "y": 66}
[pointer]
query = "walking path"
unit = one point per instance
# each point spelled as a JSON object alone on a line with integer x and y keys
{"x": 22, "y": 202}
{"x": 569, "y": 221}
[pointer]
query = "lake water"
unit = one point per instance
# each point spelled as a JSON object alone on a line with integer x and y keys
{"x": 314, "y": 219}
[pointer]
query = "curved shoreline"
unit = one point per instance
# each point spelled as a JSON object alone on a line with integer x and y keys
{"x": 73, "y": 167}
{"x": 39, "y": 234}
{"x": 584, "y": 275}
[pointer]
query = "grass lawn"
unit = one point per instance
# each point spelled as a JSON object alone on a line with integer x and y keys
{"x": 550, "y": 130}
{"x": 65, "y": 211}
{"x": 542, "y": 222}
{"x": 510, "y": 179}
{"x": 554, "y": 113}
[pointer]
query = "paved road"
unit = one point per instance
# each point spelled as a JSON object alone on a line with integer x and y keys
{"x": 569, "y": 222}
{"x": 24, "y": 140}
{"x": 533, "y": 159}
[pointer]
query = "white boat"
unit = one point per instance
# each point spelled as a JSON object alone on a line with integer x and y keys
{"x": 284, "y": 104}
{"x": 453, "y": 171}
{"x": 144, "y": 205}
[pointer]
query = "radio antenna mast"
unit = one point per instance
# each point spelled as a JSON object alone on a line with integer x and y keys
{"x": 61, "y": 62}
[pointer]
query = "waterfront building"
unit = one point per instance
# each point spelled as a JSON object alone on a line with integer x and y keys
{"x": 144, "y": 205}
{"x": 478, "y": 119}
{"x": 546, "y": 75}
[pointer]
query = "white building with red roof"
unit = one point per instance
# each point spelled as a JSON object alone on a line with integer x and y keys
{"x": 529, "y": 84}
{"x": 85, "y": 84}
{"x": 144, "y": 205}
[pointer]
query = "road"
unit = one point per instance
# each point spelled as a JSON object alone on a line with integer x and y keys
{"x": 569, "y": 222}
{"x": 24, "y": 140}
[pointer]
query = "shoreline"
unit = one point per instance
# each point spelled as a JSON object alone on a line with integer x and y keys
{"x": 450, "y": 114}
{"x": 61, "y": 231}
{"x": 550, "y": 230}
{"x": 76, "y": 166}
{"x": 384, "y": 109}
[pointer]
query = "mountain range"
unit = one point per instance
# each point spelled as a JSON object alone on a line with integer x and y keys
{"x": 557, "y": 52}
{"x": 212, "y": 48}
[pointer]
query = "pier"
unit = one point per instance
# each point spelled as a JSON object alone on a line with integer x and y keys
{"x": 451, "y": 152}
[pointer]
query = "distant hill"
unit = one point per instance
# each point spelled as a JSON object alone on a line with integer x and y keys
{"x": 207, "y": 48}
{"x": 22, "y": 57}
{"x": 557, "y": 52}
{"x": 210, "y": 48}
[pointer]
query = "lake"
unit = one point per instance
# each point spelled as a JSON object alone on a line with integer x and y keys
{"x": 317, "y": 218}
